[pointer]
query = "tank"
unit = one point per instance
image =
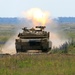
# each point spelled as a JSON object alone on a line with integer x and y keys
{"x": 33, "y": 39}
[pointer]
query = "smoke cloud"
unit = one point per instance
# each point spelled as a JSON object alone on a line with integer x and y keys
{"x": 37, "y": 16}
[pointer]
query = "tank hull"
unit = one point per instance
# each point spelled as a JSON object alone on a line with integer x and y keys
{"x": 32, "y": 45}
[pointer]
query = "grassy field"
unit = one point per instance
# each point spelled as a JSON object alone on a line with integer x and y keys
{"x": 57, "y": 63}
{"x": 46, "y": 64}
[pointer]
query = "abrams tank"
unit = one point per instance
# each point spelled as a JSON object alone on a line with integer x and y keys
{"x": 33, "y": 39}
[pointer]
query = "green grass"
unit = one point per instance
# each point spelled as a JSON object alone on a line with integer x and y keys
{"x": 46, "y": 64}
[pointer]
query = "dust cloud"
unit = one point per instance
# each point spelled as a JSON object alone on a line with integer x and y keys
{"x": 9, "y": 47}
{"x": 56, "y": 37}
{"x": 56, "y": 40}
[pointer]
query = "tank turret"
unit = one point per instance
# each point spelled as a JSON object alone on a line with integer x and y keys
{"x": 33, "y": 39}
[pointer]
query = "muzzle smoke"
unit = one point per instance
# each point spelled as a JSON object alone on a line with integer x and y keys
{"x": 37, "y": 16}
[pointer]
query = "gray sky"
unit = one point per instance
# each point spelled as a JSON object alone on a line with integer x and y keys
{"x": 57, "y": 8}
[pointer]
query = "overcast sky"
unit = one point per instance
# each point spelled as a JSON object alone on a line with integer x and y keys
{"x": 14, "y": 8}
